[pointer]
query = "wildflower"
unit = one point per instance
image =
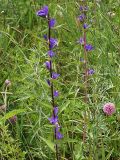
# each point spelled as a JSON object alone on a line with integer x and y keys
{"x": 47, "y": 64}
{"x": 59, "y": 135}
{"x": 88, "y": 47}
{"x": 91, "y": 71}
{"x": 7, "y": 82}
{"x": 53, "y": 119}
{"x": 83, "y": 8}
{"x": 109, "y": 109}
{"x": 51, "y": 53}
{"x": 56, "y": 93}
{"x": 53, "y": 42}
{"x": 82, "y": 17}
{"x": 85, "y": 26}
{"x": 52, "y": 23}
{"x": 55, "y": 110}
{"x": 55, "y": 75}
{"x": 43, "y": 12}
{"x": 81, "y": 41}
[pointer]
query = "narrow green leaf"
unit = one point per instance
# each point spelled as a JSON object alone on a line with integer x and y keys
{"x": 12, "y": 113}
{"x": 49, "y": 143}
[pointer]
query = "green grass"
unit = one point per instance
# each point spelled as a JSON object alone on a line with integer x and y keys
{"x": 22, "y": 56}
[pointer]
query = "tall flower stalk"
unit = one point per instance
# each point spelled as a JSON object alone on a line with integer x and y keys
{"x": 86, "y": 48}
{"x": 52, "y": 43}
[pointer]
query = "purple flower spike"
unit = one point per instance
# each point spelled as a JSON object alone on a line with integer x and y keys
{"x": 56, "y": 110}
{"x": 56, "y": 93}
{"x": 43, "y": 12}
{"x": 82, "y": 17}
{"x": 51, "y": 53}
{"x": 59, "y": 135}
{"x": 52, "y": 23}
{"x": 55, "y": 75}
{"x": 53, "y": 120}
{"x": 53, "y": 43}
{"x": 47, "y": 64}
{"x": 91, "y": 71}
{"x": 88, "y": 47}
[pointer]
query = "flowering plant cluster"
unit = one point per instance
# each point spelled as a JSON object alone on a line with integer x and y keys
{"x": 82, "y": 18}
{"x": 52, "y": 43}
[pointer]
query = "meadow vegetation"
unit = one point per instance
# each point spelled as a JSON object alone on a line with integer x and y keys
{"x": 89, "y": 133}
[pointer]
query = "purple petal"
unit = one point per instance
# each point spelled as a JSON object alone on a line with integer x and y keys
{"x": 88, "y": 47}
{"x": 59, "y": 135}
{"x": 85, "y": 26}
{"x": 83, "y": 8}
{"x": 91, "y": 71}
{"x": 56, "y": 93}
{"x": 53, "y": 43}
{"x": 55, "y": 75}
{"x": 81, "y": 41}
{"x": 47, "y": 64}
{"x": 43, "y": 12}
{"x": 52, "y": 23}
{"x": 82, "y": 17}
{"x": 55, "y": 110}
{"x": 51, "y": 53}
{"x": 53, "y": 120}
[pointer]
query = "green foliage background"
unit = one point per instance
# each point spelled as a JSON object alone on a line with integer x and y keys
{"x": 22, "y": 57}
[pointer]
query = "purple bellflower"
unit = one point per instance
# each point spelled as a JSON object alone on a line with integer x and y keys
{"x": 51, "y": 53}
{"x": 82, "y": 17}
{"x": 53, "y": 42}
{"x": 81, "y": 41}
{"x": 83, "y": 8}
{"x": 85, "y": 26}
{"x": 91, "y": 71}
{"x": 52, "y": 22}
{"x": 47, "y": 64}
{"x": 43, "y": 12}
{"x": 53, "y": 120}
{"x": 56, "y": 93}
{"x": 55, "y": 75}
{"x": 59, "y": 135}
{"x": 55, "y": 110}
{"x": 88, "y": 47}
